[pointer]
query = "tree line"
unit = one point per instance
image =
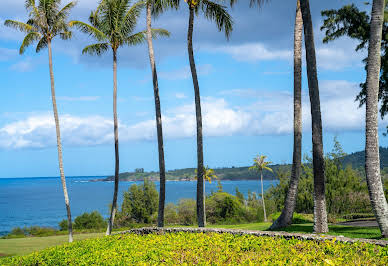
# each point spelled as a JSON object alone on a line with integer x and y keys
{"x": 112, "y": 25}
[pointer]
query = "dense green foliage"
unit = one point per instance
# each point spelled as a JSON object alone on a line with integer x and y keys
{"x": 36, "y": 231}
{"x": 346, "y": 189}
{"x": 93, "y": 220}
{"x": 140, "y": 204}
{"x": 356, "y": 160}
{"x": 196, "y": 248}
{"x": 352, "y": 22}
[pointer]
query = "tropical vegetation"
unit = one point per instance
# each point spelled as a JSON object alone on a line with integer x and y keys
{"x": 188, "y": 248}
{"x": 322, "y": 185}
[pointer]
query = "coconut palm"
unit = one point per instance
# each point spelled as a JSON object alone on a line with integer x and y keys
{"x": 259, "y": 164}
{"x": 372, "y": 157}
{"x": 320, "y": 213}
{"x": 214, "y": 11}
{"x": 112, "y": 24}
{"x": 285, "y": 219}
{"x": 155, "y": 7}
{"x": 47, "y": 21}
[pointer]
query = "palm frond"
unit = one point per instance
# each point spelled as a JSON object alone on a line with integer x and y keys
{"x": 88, "y": 29}
{"x": 160, "y": 33}
{"x": 219, "y": 14}
{"x": 129, "y": 21}
{"x": 66, "y": 35}
{"x": 65, "y": 11}
{"x": 23, "y": 27}
{"x": 96, "y": 49}
{"x": 135, "y": 39}
{"x": 42, "y": 44}
{"x": 160, "y": 6}
{"x": 28, "y": 40}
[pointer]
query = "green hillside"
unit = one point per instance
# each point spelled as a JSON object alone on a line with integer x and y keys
{"x": 356, "y": 160}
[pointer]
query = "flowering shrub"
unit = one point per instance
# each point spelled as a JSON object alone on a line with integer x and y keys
{"x": 199, "y": 248}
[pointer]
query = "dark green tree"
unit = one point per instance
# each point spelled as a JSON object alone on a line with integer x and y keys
{"x": 351, "y": 22}
{"x": 113, "y": 24}
{"x": 47, "y": 21}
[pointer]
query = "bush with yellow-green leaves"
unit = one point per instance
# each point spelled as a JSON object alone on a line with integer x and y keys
{"x": 200, "y": 248}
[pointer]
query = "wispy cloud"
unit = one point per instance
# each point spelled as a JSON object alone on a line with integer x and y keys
{"x": 7, "y": 54}
{"x": 270, "y": 114}
{"x": 23, "y": 66}
{"x": 251, "y": 52}
{"x": 185, "y": 73}
{"x": 180, "y": 95}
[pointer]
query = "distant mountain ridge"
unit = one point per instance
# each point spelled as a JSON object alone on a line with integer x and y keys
{"x": 356, "y": 160}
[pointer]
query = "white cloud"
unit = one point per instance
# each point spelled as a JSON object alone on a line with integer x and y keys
{"x": 337, "y": 58}
{"x": 270, "y": 114}
{"x": 185, "y": 72}
{"x": 251, "y": 52}
{"x": 23, "y": 66}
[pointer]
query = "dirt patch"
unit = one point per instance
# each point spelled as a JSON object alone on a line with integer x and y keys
{"x": 361, "y": 223}
{"x": 3, "y": 255}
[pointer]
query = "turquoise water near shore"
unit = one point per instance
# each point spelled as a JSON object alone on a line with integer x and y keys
{"x": 39, "y": 201}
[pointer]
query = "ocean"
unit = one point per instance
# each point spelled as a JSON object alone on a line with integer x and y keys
{"x": 40, "y": 201}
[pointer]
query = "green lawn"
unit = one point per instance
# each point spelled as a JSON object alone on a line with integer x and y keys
{"x": 22, "y": 246}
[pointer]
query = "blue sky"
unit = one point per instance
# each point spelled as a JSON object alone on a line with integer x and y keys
{"x": 246, "y": 87}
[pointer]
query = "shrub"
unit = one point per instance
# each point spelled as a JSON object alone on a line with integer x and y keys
{"x": 187, "y": 211}
{"x": 139, "y": 205}
{"x": 93, "y": 220}
{"x": 171, "y": 214}
{"x": 223, "y": 207}
{"x": 203, "y": 249}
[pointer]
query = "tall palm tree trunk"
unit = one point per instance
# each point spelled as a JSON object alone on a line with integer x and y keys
{"x": 200, "y": 187}
{"x": 59, "y": 145}
{"x": 320, "y": 213}
{"x": 116, "y": 136}
{"x": 162, "y": 168}
{"x": 262, "y": 196}
{"x": 372, "y": 157}
{"x": 285, "y": 219}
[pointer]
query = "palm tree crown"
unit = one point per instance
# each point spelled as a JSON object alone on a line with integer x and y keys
{"x": 213, "y": 11}
{"x": 46, "y": 21}
{"x": 112, "y": 24}
{"x": 260, "y": 164}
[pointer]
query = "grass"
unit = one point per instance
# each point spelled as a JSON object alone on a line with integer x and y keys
{"x": 22, "y": 246}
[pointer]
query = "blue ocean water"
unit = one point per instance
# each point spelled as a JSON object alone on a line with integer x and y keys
{"x": 40, "y": 201}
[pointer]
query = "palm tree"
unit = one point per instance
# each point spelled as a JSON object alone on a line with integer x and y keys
{"x": 112, "y": 25}
{"x": 46, "y": 21}
{"x": 219, "y": 14}
{"x": 372, "y": 157}
{"x": 156, "y": 7}
{"x": 285, "y": 219}
{"x": 320, "y": 213}
{"x": 259, "y": 165}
